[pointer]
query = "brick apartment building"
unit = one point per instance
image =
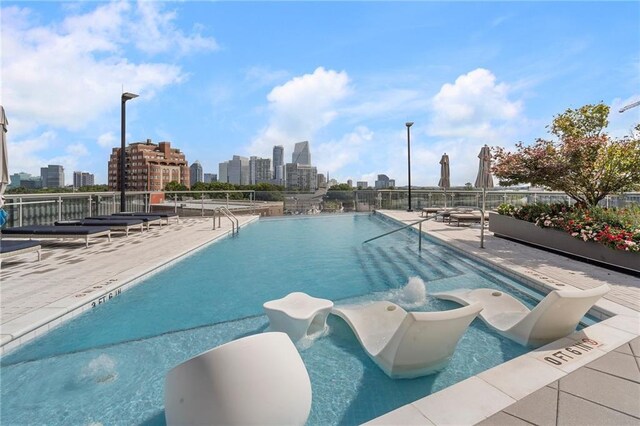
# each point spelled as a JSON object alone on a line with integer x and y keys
{"x": 148, "y": 167}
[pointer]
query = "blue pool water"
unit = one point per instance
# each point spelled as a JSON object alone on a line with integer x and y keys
{"x": 107, "y": 366}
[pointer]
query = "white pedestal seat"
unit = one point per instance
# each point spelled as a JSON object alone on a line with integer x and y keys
{"x": 298, "y": 314}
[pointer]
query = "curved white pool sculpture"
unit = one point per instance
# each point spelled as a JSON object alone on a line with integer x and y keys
{"x": 255, "y": 380}
{"x": 298, "y": 314}
{"x": 556, "y": 316}
{"x": 407, "y": 344}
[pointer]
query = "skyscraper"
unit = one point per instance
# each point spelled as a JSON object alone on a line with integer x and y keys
{"x": 52, "y": 176}
{"x": 278, "y": 164}
{"x": 238, "y": 170}
{"x": 259, "y": 170}
{"x": 301, "y": 154}
{"x": 196, "y": 172}
{"x": 81, "y": 179}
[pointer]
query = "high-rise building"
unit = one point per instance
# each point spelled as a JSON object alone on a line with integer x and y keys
{"x": 259, "y": 170}
{"x": 148, "y": 167}
{"x": 278, "y": 164}
{"x": 301, "y": 177}
{"x": 81, "y": 179}
{"x": 52, "y": 176}
{"x": 322, "y": 181}
{"x": 384, "y": 182}
{"x": 210, "y": 177}
{"x": 237, "y": 170}
{"x": 223, "y": 172}
{"x": 362, "y": 184}
{"x": 301, "y": 154}
{"x": 350, "y": 183}
{"x": 25, "y": 180}
{"x": 196, "y": 173}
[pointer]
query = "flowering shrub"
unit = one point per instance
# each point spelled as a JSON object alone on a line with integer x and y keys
{"x": 615, "y": 228}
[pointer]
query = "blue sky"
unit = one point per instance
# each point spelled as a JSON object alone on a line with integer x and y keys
{"x": 223, "y": 78}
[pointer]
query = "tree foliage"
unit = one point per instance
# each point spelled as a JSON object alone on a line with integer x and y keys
{"x": 585, "y": 162}
{"x": 341, "y": 187}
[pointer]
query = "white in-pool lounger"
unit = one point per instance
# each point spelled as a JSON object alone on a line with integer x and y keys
{"x": 556, "y": 316}
{"x": 255, "y": 380}
{"x": 407, "y": 344}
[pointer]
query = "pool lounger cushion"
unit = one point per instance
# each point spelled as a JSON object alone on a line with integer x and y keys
{"x": 52, "y": 231}
{"x": 10, "y": 248}
{"x": 407, "y": 344}
{"x": 148, "y": 220}
{"x": 556, "y": 316}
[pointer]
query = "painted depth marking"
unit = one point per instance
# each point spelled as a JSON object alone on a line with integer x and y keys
{"x": 572, "y": 352}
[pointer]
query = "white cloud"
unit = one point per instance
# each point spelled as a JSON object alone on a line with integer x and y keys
{"x": 333, "y": 156}
{"x": 25, "y": 156}
{"x": 68, "y": 74}
{"x": 299, "y": 108}
{"x": 77, "y": 150}
{"x": 107, "y": 140}
{"x": 474, "y": 106}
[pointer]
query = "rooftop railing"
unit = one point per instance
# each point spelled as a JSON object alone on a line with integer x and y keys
{"x": 44, "y": 209}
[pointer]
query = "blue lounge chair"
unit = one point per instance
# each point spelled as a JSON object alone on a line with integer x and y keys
{"x": 10, "y": 248}
{"x": 164, "y": 215}
{"x": 114, "y": 224}
{"x": 33, "y": 232}
{"x": 148, "y": 220}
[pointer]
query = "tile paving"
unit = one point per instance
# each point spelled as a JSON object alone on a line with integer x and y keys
{"x": 604, "y": 389}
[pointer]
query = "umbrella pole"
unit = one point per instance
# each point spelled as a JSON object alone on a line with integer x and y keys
{"x": 482, "y": 218}
{"x": 445, "y": 198}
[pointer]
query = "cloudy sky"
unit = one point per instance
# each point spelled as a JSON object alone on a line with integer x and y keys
{"x": 223, "y": 78}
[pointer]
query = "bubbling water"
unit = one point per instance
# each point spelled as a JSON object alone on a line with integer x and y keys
{"x": 100, "y": 370}
{"x": 413, "y": 294}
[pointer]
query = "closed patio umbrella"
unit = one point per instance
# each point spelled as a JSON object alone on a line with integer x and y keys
{"x": 444, "y": 182}
{"x": 484, "y": 181}
{"x": 4, "y": 160}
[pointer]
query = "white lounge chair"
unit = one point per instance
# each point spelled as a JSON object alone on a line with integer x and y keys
{"x": 407, "y": 344}
{"x": 255, "y": 380}
{"x": 556, "y": 316}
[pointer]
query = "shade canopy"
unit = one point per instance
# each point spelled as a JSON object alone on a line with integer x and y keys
{"x": 445, "y": 181}
{"x": 484, "y": 179}
{"x": 4, "y": 159}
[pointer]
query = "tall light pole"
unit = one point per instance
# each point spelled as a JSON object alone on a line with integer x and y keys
{"x": 632, "y": 105}
{"x": 125, "y": 97}
{"x": 409, "y": 124}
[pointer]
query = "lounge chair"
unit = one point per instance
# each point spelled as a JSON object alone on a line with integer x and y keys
{"x": 407, "y": 344}
{"x": 164, "y": 215}
{"x": 115, "y": 224}
{"x": 255, "y": 380}
{"x": 556, "y": 316}
{"x": 473, "y": 217}
{"x": 10, "y": 248}
{"x": 40, "y": 232}
{"x": 148, "y": 220}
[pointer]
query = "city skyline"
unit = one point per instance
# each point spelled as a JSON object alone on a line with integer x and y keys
{"x": 344, "y": 76}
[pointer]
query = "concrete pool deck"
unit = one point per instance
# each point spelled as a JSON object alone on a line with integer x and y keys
{"x": 601, "y": 385}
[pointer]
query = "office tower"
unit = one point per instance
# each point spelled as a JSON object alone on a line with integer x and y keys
{"x": 238, "y": 170}
{"x": 362, "y": 184}
{"x": 210, "y": 177}
{"x": 81, "y": 179}
{"x": 350, "y": 183}
{"x": 301, "y": 154}
{"x": 301, "y": 177}
{"x": 223, "y": 172}
{"x": 322, "y": 181}
{"x": 384, "y": 182}
{"x": 52, "y": 176}
{"x": 259, "y": 170}
{"x": 148, "y": 167}
{"x": 196, "y": 172}
{"x": 278, "y": 164}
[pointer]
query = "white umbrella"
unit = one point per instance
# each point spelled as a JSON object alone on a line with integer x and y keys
{"x": 484, "y": 181}
{"x": 4, "y": 158}
{"x": 445, "y": 181}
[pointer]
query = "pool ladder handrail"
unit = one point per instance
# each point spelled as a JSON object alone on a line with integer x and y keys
{"x": 235, "y": 223}
{"x": 407, "y": 226}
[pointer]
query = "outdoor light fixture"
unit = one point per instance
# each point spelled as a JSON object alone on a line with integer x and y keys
{"x": 125, "y": 97}
{"x": 635, "y": 104}
{"x": 409, "y": 124}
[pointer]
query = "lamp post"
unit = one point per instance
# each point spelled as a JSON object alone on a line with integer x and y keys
{"x": 409, "y": 124}
{"x": 632, "y": 105}
{"x": 125, "y": 97}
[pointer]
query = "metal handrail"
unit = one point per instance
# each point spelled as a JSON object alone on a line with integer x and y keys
{"x": 235, "y": 223}
{"x": 403, "y": 227}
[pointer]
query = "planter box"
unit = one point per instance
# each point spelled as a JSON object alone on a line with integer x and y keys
{"x": 556, "y": 240}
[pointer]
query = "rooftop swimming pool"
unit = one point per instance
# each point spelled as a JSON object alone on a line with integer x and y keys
{"x": 108, "y": 365}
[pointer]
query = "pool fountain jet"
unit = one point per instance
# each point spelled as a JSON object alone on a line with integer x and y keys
{"x": 413, "y": 294}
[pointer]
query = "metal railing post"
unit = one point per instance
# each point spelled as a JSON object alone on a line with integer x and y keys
{"x": 59, "y": 208}
{"x": 202, "y": 204}
{"x": 420, "y": 237}
{"x": 20, "y": 211}
{"x": 90, "y": 206}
